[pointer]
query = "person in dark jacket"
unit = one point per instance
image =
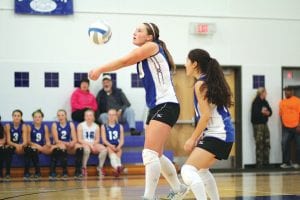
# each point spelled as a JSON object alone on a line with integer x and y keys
{"x": 260, "y": 113}
{"x": 111, "y": 97}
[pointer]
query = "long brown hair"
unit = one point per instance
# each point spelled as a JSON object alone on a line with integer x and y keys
{"x": 153, "y": 30}
{"x": 218, "y": 91}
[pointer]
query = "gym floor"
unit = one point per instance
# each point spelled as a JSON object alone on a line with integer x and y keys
{"x": 239, "y": 186}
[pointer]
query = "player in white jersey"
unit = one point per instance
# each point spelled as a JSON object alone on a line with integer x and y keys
{"x": 213, "y": 136}
{"x": 89, "y": 137}
{"x": 154, "y": 65}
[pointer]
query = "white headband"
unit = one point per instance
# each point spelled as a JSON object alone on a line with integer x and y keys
{"x": 150, "y": 25}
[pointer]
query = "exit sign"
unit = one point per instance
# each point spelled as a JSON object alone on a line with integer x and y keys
{"x": 202, "y": 28}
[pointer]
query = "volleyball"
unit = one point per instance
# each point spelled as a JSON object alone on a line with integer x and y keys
{"x": 99, "y": 32}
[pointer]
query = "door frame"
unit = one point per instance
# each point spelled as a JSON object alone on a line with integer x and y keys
{"x": 238, "y": 164}
{"x": 238, "y": 114}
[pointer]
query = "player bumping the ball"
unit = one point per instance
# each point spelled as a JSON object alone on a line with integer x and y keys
{"x": 154, "y": 66}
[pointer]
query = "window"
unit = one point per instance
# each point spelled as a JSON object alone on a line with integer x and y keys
{"x": 51, "y": 79}
{"x": 258, "y": 81}
{"x": 21, "y": 79}
{"x": 78, "y": 76}
{"x": 113, "y": 78}
{"x": 136, "y": 82}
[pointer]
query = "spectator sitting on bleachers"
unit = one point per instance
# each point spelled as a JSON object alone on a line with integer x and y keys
{"x": 112, "y": 97}
{"x": 16, "y": 138}
{"x": 81, "y": 100}
{"x": 64, "y": 135}
{"x": 2, "y": 148}
{"x": 112, "y": 135}
{"x": 88, "y": 134}
{"x": 39, "y": 141}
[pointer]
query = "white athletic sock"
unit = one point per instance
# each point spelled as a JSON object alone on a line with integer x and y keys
{"x": 210, "y": 184}
{"x": 169, "y": 172}
{"x": 85, "y": 158}
{"x": 113, "y": 160}
{"x": 152, "y": 168}
{"x": 191, "y": 178}
{"x": 118, "y": 159}
{"x": 102, "y": 156}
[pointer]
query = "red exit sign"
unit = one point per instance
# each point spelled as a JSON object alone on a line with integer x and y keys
{"x": 203, "y": 28}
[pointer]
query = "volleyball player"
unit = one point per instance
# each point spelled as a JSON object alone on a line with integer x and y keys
{"x": 212, "y": 97}
{"x": 88, "y": 133}
{"x": 154, "y": 65}
{"x": 64, "y": 135}
{"x": 16, "y": 138}
{"x": 39, "y": 140}
{"x": 112, "y": 135}
{"x": 2, "y": 149}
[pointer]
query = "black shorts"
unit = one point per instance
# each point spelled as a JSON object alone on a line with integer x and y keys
{"x": 167, "y": 113}
{"x": 219, "y": 148}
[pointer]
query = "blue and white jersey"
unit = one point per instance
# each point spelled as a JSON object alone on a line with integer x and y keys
{"x": 219, "y": 125}
{"x": 64, "y": 133}
{"x": 89, "y": 132}
{"x": 38, "y": 135}
{"x": 16, "y": 133}
{"x": 113, "y": 134}
{"x": 156, "y": 77}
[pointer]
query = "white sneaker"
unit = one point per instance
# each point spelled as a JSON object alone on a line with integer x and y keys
{"x": 285, "y": 166}
{"x": 296, "y": 166}
{"x": 178, "y": 195}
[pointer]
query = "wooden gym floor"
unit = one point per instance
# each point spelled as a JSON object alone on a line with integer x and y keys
{"x": 239, "y": 186}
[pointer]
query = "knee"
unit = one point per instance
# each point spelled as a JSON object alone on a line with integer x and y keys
{"x": 103, "y": 118}
{"x": 149, "y": 156}
{"x": 86, "y": 151}
{"x": 188, "y": 173}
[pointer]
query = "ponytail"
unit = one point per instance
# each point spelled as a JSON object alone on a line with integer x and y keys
{"x": 218, "y": 91}
{"x": 169, "y": 57}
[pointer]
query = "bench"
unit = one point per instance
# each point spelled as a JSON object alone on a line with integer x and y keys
{"x": 132, "y": 151}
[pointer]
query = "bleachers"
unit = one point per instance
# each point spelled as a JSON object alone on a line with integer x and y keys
{"x": 132, "y": 151}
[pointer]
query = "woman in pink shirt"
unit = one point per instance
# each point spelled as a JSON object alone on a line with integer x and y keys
{"x": 81, "y": 100}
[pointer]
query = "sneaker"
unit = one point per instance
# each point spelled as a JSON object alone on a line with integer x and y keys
{"x": 7, "y": 178}
{"x": 37, "y": 176}
{"x": 26, "y": 177}
{"x": 64, "y": 176}
{"x": 296, "y": 166}
{"x": 52, "y": 176}
{"x": 101, "y": 171}
{"x": 78, "y": 176}
{"x": 285, "y": 166}
{"x": 84, "y": 172}
{"x": 178, "y": 195}
{"x": 116, "y": 172}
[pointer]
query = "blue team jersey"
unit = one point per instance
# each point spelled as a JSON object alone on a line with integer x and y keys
{"x": 156, "y": 77}
{"x": 16, "y": 133}
{"x": 38, "y": 135}
{"x": 219, "y": 125}
{"x": 113, "y": 134}
{"x": 64, "y": 133}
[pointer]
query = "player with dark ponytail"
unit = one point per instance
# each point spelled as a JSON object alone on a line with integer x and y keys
{"x": 213, "y": 136}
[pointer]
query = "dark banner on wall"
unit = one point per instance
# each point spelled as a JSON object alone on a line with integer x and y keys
{"x": 44, "y": 7}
